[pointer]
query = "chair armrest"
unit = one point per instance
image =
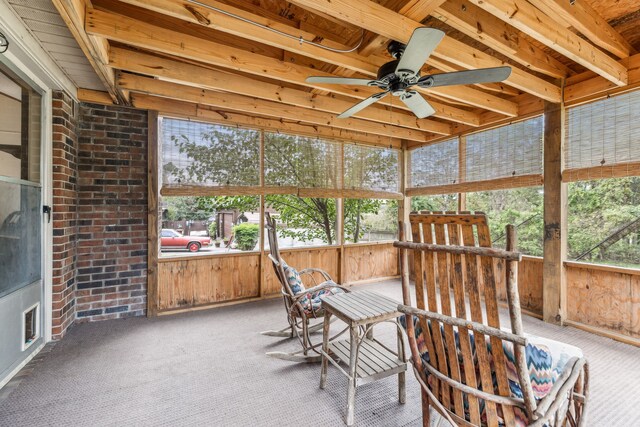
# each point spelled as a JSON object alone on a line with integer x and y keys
{"x": 319, "y": 287}
{"x": 310, "y": 271}
{"x": 547, "y": 407}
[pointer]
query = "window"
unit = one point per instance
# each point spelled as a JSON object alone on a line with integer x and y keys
{"x": 438, "y": 203}
{"x": 604, "y": 221}
{"x": 203, "y": 154}
{"x": 209, "y": 225}
{"x": 370, "y": 220}
{"x": 522, "y": 207}
{"x": 303, "y": 221}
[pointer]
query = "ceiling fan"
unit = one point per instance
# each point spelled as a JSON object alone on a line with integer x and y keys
{"x": 400, "y": 75}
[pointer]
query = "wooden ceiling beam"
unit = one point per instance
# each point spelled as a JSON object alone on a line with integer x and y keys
{"x": 351, "y": 61}
{"x": 581, "y": 16}
{"x": 374, "y": 17}
{"x": 588, "y": 86}
{"x": 94, "y": 48}
{"x": 417, "y": 10}
{"x": 147, "y": 36}
{"x": 498, "y": 35}
{"x": 533, "y": 22}
{"x": 192, "y": 111}
{"x": 258, "y": 107}
{"x": 200, "y": 76}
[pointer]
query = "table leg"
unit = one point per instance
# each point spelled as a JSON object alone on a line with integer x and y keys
{"x": 351, "y": 390}
{"x": 402, "y": 395}
{"x": 325, "y": 349}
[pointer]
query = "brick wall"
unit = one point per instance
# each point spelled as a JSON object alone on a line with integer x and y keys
{"x": 111, "y": 268}
{"x": 65, "y": 195}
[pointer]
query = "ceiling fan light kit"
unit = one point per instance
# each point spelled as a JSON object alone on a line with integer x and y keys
{"x": 400, "y": 75}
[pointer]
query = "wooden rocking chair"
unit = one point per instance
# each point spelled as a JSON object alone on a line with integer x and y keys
{"x": 471, "y": 371}
{"x": 301, "y": 303}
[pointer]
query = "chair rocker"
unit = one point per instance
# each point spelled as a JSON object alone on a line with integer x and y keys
{"x": 472, "y": 372}
{"x": 302, "y": 304}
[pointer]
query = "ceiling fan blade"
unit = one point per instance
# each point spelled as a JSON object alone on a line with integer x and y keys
{"x": 362, "y": 104}
{"x": 340, "y": 81}
{"x": 422, "y": 42}
{"x": 467, "y": 77}
{"x": 416, "y": 103}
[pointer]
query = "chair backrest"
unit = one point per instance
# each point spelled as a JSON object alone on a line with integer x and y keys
{"x": 457, "y": 309}
{"x": 274, "y": 255}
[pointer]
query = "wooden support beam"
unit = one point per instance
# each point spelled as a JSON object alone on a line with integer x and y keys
{"x": 498, "y": 35}
{"x": 581, "y": 16}
{"x": 147, "y": 36}
{"x": 555, "y": 217}
{"x": 94, "y": 96}
{"x": 94, "y": 48}
{"x": 531, "y": 21}
{"x": 259, "y": 107}
{"x": 588, "y": 86}
{"x": 418, "y": 10}
{"x": 153, "y": 223}
{"x": 374, "y": 17}
{"x": 221, "y": 81}
{"x": 192, "y": 111}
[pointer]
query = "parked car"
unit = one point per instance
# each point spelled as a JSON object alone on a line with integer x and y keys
{"x": 170, "y": 238}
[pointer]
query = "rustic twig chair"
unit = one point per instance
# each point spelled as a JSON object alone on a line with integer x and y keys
{"x": 512, "y": 379}
{"x": 302, "y": 304}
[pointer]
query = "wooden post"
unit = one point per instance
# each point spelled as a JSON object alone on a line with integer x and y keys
{"x": 555, "y": 216}
{"x": 340, "y": 221}
{"x": 462, "y": 171}
{"x": 152, "y": 214}
{"x": 261, "y": 220}
{"x": 404, "y": 209}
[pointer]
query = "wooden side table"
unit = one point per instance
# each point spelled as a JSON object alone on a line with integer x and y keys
{"x": 368, "y": 359}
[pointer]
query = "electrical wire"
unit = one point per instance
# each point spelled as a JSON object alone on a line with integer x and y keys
{"x": 301, "y": 39}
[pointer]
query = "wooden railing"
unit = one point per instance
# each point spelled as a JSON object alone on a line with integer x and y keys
{"x": 188, "y": 281}
{"x": 603, "y": 299}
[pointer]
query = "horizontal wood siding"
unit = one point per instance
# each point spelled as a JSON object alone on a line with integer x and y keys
{"x": 199, "y": 281}
{"x": 604, "y": 297}
{"x": 367, "y": 262}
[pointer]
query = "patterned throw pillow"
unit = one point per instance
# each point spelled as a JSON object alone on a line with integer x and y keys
{"x": 293, "y": 278}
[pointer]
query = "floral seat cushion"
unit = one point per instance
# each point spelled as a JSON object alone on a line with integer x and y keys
{"x": 311, "y": 302}
{"x": 546, "y": 360}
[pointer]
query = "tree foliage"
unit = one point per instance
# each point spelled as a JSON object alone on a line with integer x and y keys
{"x": 186, "y": 209}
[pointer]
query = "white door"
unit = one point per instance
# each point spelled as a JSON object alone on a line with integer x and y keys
{"x": 21, "y": 222}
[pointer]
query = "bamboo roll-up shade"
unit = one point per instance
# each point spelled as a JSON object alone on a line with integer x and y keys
{"x": 603, "y": 138}
{"x": 299, "y": 161}
{"x": 371, "y": 168}
{"x": 202, "y": 154}
{"x": 434, "y": 165}
{"x": 511, "y": 151}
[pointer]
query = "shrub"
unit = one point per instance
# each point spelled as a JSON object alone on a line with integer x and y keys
{"x": 212, "y": 230}
{"x": 246, "y": 235}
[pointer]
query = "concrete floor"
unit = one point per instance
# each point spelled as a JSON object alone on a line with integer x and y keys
{"x": 209, "y": 368}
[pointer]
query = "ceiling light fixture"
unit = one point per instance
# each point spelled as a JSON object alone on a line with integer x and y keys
{"x": 4, "y": 43}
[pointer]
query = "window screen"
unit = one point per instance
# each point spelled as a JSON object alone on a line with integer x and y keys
{"x": 202, "y": 154}
{"x": 513, "y": 151}
{"x": 291, "y": 160}
{"x": 603, "y": 134}
{"x": 434, "y": 165}
{"x": 371, "y": 168}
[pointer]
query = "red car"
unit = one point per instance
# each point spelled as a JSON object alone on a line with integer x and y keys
{"x": 172, "y": 239}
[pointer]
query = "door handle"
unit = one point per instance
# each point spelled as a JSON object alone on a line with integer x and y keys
{"x": 47, "y": 210}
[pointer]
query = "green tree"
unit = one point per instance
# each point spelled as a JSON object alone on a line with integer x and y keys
{"x": 185, "y": 209}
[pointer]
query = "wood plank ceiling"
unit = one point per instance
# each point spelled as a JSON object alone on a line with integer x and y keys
{"x": 183, "y": 58}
